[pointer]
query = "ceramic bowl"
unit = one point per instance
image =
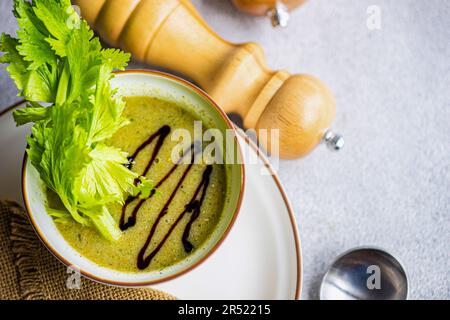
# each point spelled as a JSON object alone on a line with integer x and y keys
{"x": 141, "y": 83}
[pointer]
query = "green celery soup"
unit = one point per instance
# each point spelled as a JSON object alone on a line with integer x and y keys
{"x": 191, "y": 214}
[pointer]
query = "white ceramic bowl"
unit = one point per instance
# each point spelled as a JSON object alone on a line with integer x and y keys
{"x": 140, "y": 83}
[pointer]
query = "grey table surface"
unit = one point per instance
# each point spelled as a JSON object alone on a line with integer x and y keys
{"x": 390, "y": 185}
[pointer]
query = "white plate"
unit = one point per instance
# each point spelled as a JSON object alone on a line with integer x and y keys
{"x": 260, "y": 258}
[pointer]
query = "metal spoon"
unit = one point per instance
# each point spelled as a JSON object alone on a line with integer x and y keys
{"x": 365, "y": 273}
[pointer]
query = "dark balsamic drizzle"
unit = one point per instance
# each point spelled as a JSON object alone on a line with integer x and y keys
{"x": 192, "y": 207}
{"x": 161, "y": 135}
{"x": 196, "y": 148}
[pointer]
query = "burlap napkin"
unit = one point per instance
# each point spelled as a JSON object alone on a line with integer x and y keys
{"x": 29, "y": 271}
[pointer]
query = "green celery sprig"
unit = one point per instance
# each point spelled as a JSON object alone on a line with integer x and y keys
{"x": 62, "y": 71}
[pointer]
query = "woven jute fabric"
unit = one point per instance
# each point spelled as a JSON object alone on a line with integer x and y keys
{"x": 29, "y": 271}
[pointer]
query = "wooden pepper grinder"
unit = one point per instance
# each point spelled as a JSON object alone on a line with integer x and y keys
{"x": 277, "y": 10}
{"x": 171, "y": 34}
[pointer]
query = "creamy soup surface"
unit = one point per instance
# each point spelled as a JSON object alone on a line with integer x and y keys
{"x": 148, "y": 115}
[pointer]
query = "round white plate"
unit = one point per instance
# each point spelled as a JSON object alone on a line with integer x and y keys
{"x": 260, "y": 258}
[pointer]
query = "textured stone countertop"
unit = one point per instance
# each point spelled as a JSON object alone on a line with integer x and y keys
{"x": 390, "y": 185}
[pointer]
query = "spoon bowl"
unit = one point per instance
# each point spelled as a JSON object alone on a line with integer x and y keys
{"x": 365, "y": 274}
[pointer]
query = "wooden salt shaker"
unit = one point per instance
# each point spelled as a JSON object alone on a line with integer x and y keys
{"x": 171, "y": 34}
